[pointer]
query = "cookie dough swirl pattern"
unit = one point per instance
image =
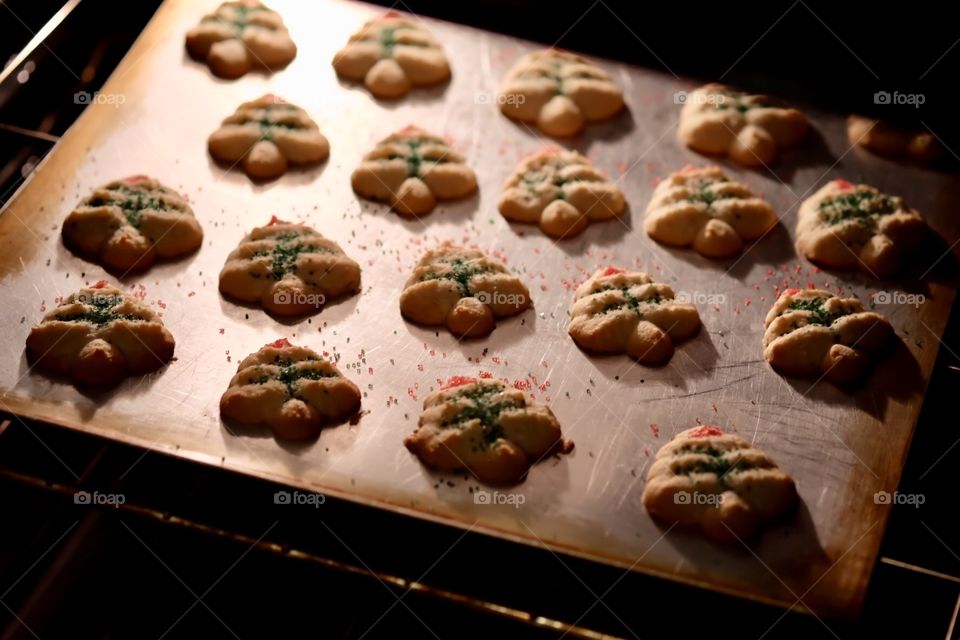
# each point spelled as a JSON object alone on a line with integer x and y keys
{"x": 290, "y": 389}
{"x": 412, "y": 169}
{"x": 847, "y": 226}
{"x": 392, "y": 54}
{"x": 559, "y": 91}
{"x": 128, "y": 224}
{"x": 240, "y": 36}
{"x": 717, "y": 482}
{"x": 810, "y": 332}
{"x": 267, "y": 135}
{"x": 289, "y": 269}
{"x": 487, "y": 427}
{"x": 98, "y": 336}
{"x": 616, "y": 311}
{"x": 562, "y": 192}
{"x": 704, "y": 209}
{"x": 463, "y": 289}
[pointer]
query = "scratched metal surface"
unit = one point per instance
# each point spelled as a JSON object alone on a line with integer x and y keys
{"x": 840, "y": 448}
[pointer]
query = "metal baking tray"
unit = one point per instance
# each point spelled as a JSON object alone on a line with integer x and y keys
{"x": 153, "y": 117}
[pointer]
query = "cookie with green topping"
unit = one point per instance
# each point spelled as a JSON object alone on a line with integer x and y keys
{"x": 619, "y": 311}
{"x": 810, "y": 332}
{"x": 391, "y": 54}
{"x": 290, "y": 389}
{"x": 412, "y": 169}
{"x": 267, "y": 135}
{"x": 240, "y": 36}
{"x": 127, "y": 225}
{"x": 487, "y": 427}
{"x": 704, "y": 209}
{"x": 752, "y": 129}
{"x": 848, "y": 226}
{"x": 558, "y": 91}
{"x": 464, "y": 289}
{"x": 561, "y": 191}
{"x": 717, "y": 482}
{"x": 289, "y": 269}
{"x": 99, "y": 335}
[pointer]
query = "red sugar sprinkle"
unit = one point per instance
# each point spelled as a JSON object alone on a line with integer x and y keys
{"x": 611, "y": 270}
{"x": 705, "y": 431}
{"x": 843, "y": 184}
{"x": 278, "y": 344}
{"x": 457, "y": 381}
{"x": 100, "y": 284}
{"x": 655, "y": 429}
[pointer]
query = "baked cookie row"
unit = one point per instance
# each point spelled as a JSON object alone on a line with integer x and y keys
{"x": 486, "y": 427}
{"x": 128, "y": 224}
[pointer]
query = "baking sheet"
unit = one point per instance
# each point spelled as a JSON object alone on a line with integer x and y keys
{"x": 153, "y": 117}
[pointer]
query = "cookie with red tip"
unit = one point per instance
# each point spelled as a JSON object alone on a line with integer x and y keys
{"x": 99, "y": 335}
{"x": 267, "y": 135}
{"x": 618, "y": 311}
{"x": 239, "y": 36}
{"x": 392, "y": 54}
{"x": 290, "y": 389}
{"x": 289, "y": 269}
{"x": 486, "y": 427}
{"x": 464, "y": 289}
{"x": 128, "y": 224}
{"x": 717, "y": 482}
